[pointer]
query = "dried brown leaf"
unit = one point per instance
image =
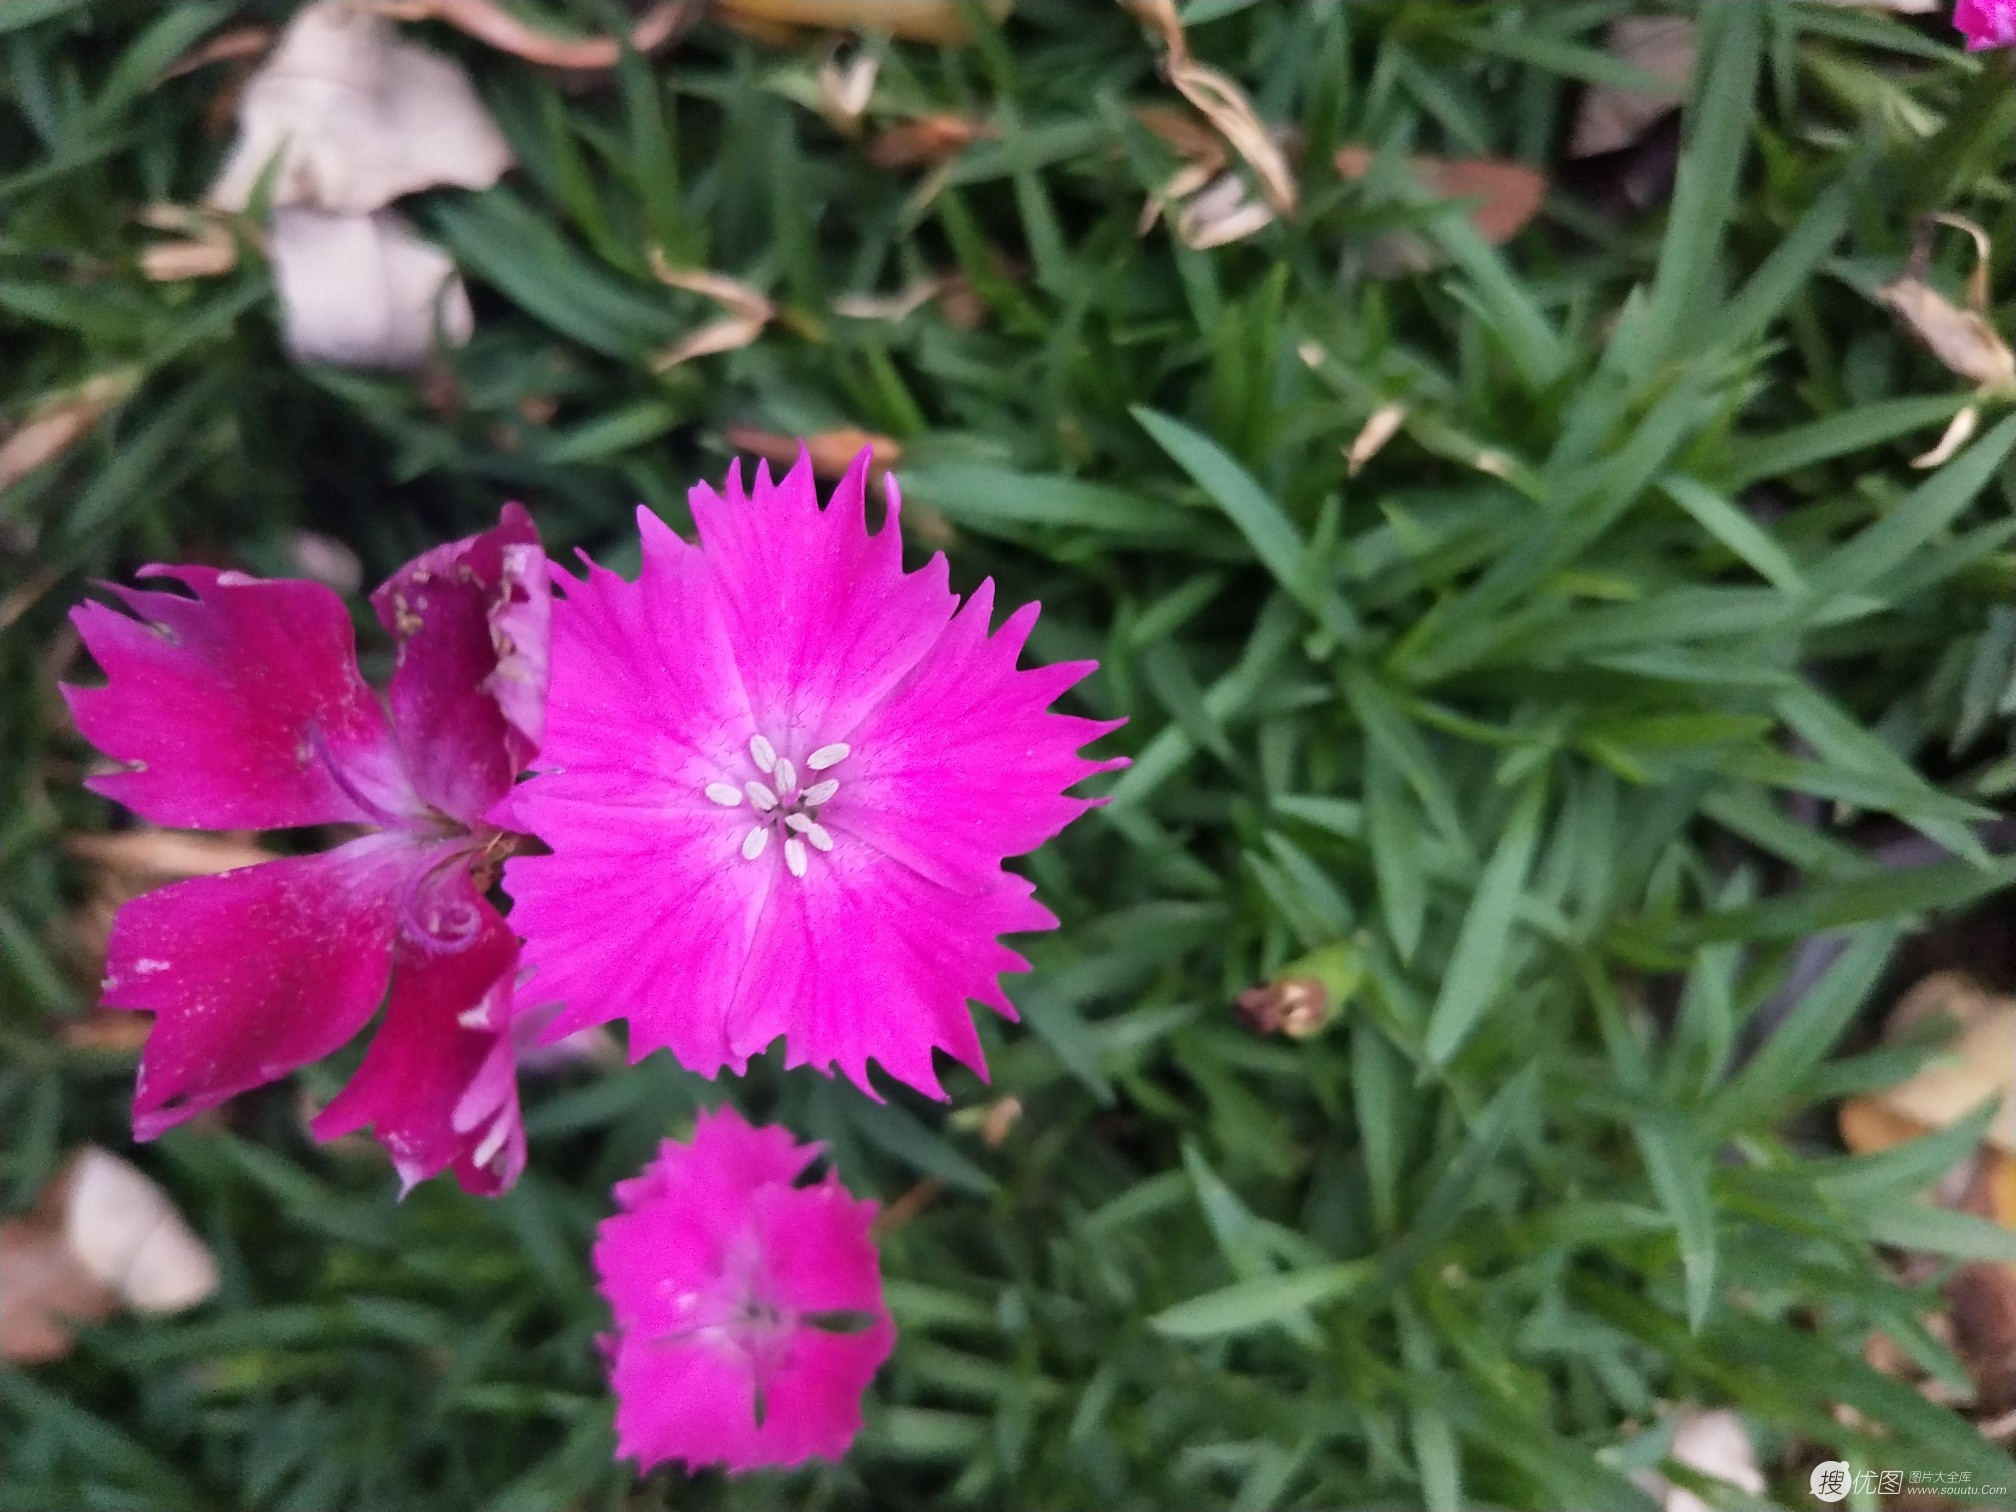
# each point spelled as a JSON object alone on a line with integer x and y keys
{"x": 59, "y": 422}
{"x": 1379, "y": 428}
{"x": 1221, "y": 213}
{"x": 1611, "y": 118}
{"x": 497, "y": 27}
{"x": 1508, "y": 194}
{"x": 226, "y": 46}
{"x": 1978, "y": 1065}
{"x": 832, "y": 452}
{"x": 1963, "y": 339}
{"x": 44, "y": 1290}
{"x": 1714, "y": 1444}
{"x": 939, "y": 21}
{"x": 928, "y": 139}
{"x": 145, "y": 858}
{"x": 748, "y": 312}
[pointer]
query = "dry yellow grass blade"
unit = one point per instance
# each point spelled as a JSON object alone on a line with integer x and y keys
{"x": 490, "y": 23}
{"x": 939, "y": 21}
{"x": 59, "y": 422}
{"x": 1221, "y": 101}
{"x": 1379, "y": 428}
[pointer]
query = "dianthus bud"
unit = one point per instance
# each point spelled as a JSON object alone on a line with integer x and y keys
{"x": 1303, "y": 997}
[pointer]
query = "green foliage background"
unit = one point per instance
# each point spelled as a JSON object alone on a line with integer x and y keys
{"x": 1528, "y": 744}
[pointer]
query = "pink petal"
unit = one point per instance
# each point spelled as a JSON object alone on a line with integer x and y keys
{"x": 241, "y": 708}
{"x": 706, "y": 1230}
{"x": 822, "y": 618}
{"x": 1986, "y": 23}
{"x": 255, "y": 972}
{"x": 469, "y": 619}
{"x": 448, "y": 1020}
{"x": 865, "y": 958}
{"x": 960, "y": 765}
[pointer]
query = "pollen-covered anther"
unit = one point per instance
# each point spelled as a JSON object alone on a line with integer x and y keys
{"x": 781, "y": 805}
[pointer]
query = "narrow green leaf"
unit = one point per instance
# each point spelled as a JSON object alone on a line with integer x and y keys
{"x": 1270, "y": 532}
{"x": 1679, "y": 1175}
{"x": 1246, "y": 1305}
{"x": 1471, "y": 984}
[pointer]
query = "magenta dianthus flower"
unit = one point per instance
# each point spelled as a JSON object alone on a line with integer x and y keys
{"x": 748, "y": 1309}
{"x": 1986, "y": 23}
{"x": 779, "y": 779}
{"x": 243, "y": 708}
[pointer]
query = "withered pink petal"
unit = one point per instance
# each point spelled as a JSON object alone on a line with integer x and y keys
{"x": 255, "y": 972}
{"x": 448, "y": 1018}
{"x": 241, "y": 708}
{"x": 442, "y": 610}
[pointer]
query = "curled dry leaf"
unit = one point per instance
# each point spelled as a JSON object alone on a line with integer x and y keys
{"x": 891, "y": 307}
{"x": 364, "y": 291}
{"x": 1959, "y": 431}
{"x": 207, "y": 250}
{"x": 748, "y": 312}
{"x": 60, "y": 421}
{"x": 1220, "y": 213}
{"x": 1222, "y": 102}
{"x": 1611, "y": 117}
{"x": 1714, "y": 1444}
{"x": 1508, "y": 194}
{"x": 1979, "y": 1064}
{"x": 928, "y": 139}
{"x": 845, "y": 90}
{"x": 226, "y": 47}
{"x": 1962, "y": 339}
{"x": 1379, "y": 428}
{"x": 832, "y": 452}
{"x": 939, "y": 21}
{"x": 127, "y": 1233}
{"x": 497, "y": 27}
{"x": 101, "y": 1235}
{"x": 357, "y": 117}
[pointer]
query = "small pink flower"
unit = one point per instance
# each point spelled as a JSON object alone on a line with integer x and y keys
{"x": 243, "y": 708}
{"x": 1986, "y": 23}
{"x": 749, "y": 1316}
{"x": 779, "y": 779}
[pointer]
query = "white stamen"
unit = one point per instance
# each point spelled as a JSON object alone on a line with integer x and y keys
{"x": 723, "y": 794}
{"x": 819, "y": 792}
{"x": 761, "y": 796}
{"x": 797, "y": 822}
{"x": 493, "y": 1141}
{"x": 817, "y": 834}
{"x": 764, "y": 752}
{"x": 754, "y": 841}
{"x": 829, "y": 755}
{"x": 787, "y": 775}
{"x": 794, "y": 856}
{"x": 474, "y": 1018}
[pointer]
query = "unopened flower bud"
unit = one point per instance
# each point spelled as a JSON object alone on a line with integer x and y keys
{"x": 1303, "y": 997}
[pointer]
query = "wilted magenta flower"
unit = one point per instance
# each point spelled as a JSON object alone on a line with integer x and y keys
{"x": 243, "y": 708}
{"x": 779, "y": 779}
{"x": 1986, "y": 23}
{"x": 749, "y": 1314}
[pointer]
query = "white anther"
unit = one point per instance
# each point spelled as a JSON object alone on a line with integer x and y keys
{"x": 818, "y": 835}
{"x": 764, "y": 752}
{"x": 819, "y": 792}
{"x": 761, "y": 796}
{"x": 794, "y": 856}
{"x": 787, "y": 775}
{"x": 754, "y": 841}
{"x": 829, "y": 755}
{"x": 723, "y": 794}
{"x": 797, "y": 822}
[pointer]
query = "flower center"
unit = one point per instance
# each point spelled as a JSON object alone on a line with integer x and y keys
{"x": 784, "y": 807}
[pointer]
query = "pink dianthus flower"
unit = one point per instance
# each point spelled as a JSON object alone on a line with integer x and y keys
{"x": 779, "y": 779}
{"x": 243, "y": 708}
{"x": 1986, "y": 23}
{"x": 748, "y": 1309}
